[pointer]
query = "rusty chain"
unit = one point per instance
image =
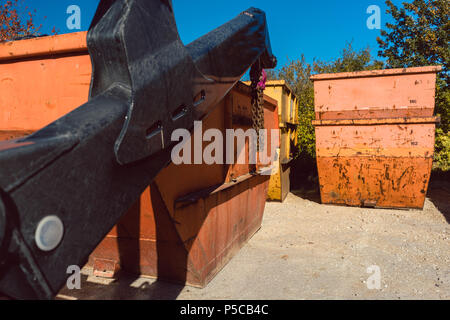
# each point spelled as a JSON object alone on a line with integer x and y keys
{"x": 256, "y": 77}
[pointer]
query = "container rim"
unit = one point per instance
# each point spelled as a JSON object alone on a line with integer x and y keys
{"x": 376, "y": 73}
{"x": 380, "y": 121}
{"x": 43, "y": 46}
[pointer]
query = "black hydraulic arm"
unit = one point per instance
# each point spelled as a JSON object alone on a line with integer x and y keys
{"x": 63, "y": 188}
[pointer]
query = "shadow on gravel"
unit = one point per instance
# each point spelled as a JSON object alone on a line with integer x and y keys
{"x": 311, "y": 194}
{"x": 304, "y": 178}
{"x": 439, "y": 192}
{"x": 125, "y": 287}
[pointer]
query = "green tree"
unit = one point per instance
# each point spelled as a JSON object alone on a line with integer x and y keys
{"x": 419, "y": 36}
{"x": 13, "y": 24}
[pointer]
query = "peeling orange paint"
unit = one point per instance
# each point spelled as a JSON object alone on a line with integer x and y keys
{"x": 375, "y": 134}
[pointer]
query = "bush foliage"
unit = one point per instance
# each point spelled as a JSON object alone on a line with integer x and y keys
{"x": 420, "y": 36}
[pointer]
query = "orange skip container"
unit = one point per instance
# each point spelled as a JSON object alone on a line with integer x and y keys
{"x": 375, "y": 135}
{"x": 193, "y": 218}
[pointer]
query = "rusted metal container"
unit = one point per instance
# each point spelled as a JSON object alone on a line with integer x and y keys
{"x": 279, "y": 90}
{"x": 193, "y": 218}
{"x": 375, "y": 135}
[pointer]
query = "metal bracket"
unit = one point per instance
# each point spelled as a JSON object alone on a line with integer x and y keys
{"x": 85, "y": 170}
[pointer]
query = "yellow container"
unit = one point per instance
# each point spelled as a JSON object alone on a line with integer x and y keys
{"x": 279, "y": 90}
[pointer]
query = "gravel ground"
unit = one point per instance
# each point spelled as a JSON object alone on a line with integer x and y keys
{"x": 310, "y": 251}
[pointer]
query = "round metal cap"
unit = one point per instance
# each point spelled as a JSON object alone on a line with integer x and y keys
{"x": 49, "y": 233}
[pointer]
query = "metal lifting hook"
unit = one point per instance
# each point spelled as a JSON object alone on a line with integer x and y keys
{"x": 69, "y": 183}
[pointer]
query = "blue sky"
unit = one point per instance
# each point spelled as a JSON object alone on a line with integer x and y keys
{"x": 318, "y": 29}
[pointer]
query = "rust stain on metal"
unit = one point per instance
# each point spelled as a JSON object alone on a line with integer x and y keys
{"x": 105, "y": 268}
{"x": 387, "y": 182}
{"x": 13, "y": 134}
